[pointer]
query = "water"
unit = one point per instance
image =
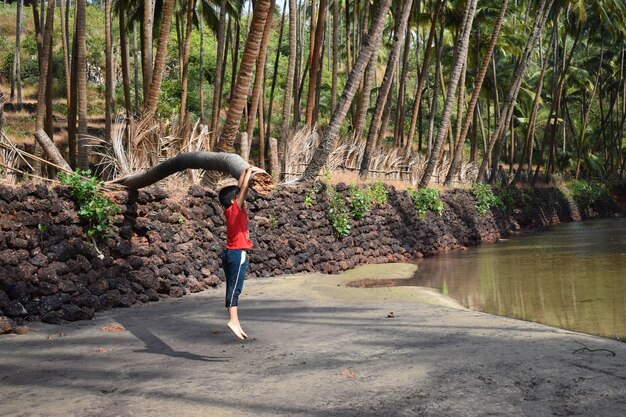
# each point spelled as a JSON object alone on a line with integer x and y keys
{"x": 572, "y": 276}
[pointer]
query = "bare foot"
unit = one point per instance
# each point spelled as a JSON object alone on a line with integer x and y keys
{"x": 245, "y": 336}
{"x": 236, "y": 330}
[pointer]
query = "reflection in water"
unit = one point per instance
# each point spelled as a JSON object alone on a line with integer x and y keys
{"x": 573, "y": 277}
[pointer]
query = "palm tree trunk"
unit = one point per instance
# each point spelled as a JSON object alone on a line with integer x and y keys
{"x": 81, "y": 82}
{"x": 364, "y": 102}
{"x": 275, "y": 73}
{"x": 459, "y": 61}
{"x": 526, "y": 151}
{"x": 191, "y": 5}
{"x": 135, "y": 69}
{"x": 257, "y": 88}
{"x": 66, "y": 52}
{"x": 469, "y": 116}
{"x": 291, "y": 69}
{"x": 315, "y": 62}
{"x": 124, "y": 52}
{"x": 201, "y": 69}
{"x": 509, "y": 102}
{"x": 248, "y": 60}
{"x": 369, "y": 44}
{"x": 424, "y": 71}
{"x": 228, "y": 163}
{"x": 108, "y": 101}
{"x": 146, "y": 47}
{"x": 399, "y": 126}
{"x": 219, "y": 80}
{"x": 16, "y": 79}
{"x": 44, "y": 68}
{"x": 335, "y": 46}
{"x": 402, "y": 13}
{"x": 150, "y": 103}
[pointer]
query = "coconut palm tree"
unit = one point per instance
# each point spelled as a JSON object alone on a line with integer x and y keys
{"x": 402, "y": 16}
{"x": 458, "y": 151}
{"x": 258, "y": 85}
{"x": 291, "y": 70}
{"x": 248, "y": 60}
{"x": 457, "y": 67}
{"x": 151, "y": 100}
{"x": 369, "y": 45}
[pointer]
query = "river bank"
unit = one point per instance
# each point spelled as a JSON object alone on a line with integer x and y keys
{"x": 316, "y": 348}
{"x": 167, "y": 244}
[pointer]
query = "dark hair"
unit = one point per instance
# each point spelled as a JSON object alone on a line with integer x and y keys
{"x": 228, "y": 194}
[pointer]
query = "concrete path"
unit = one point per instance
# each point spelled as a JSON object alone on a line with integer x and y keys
{"x": 316, "y": 348}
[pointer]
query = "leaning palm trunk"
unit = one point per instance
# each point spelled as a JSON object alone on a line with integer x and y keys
{"x": 291, "y": 70}
{"x": 231, "y": 164}
{"x": 509, "y": 102}
{"x": 460, "y": 60}
{"x": 369, "y": 45}
{"x": 248, "y": 60}
{"x": 385, "y": 88}
{"x": 150, "y": 103}
{"x": 257, "y": 88}
{"x": 458, "y": 151}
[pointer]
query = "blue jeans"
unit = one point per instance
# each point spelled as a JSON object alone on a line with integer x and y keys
{"x": 235, "y": 263}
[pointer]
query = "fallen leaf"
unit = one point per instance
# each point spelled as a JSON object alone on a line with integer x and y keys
{"x": 391, "y": 315}
{"x": 347, "y": 373}
{"x": 113, "y": 328}
{"x": 102, "y": 350}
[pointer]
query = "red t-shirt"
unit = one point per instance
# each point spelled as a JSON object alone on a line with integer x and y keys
{"x": 237, "y": 236}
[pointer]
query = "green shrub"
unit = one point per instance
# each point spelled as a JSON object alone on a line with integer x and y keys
{"x": 587, "y": 193}
{"x": 485, "y": 198}
{"x": 426, "y": 199}
{"x": 360, "y": 200}
{"x": 379, "y": 193}
{"x": 93, "y": 206}
{"x": 338, "y": 215}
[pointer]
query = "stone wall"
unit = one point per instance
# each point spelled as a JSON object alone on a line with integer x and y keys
{"x": 165, "y": 245}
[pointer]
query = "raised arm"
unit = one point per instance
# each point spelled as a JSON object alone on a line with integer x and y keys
{"x": 244, "y": 184}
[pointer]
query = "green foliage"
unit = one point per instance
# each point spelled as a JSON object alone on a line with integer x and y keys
{"x": 485, "y": 198}
{"x": 510, "y": 198}
{"x": 360, "y": 200}
{"x": 379, "y": 193}
{"x": 338, "y": 215}
{"x": 587, "y": 193}
{"x": 310, "y": 197}
{"x": 273, "y": 222}
{"x": 426, "y": 199}
{"x": 93, "y": 206}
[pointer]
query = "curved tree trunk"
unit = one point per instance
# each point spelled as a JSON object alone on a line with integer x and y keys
{"x": 369, "y": 45}
{"x": 238, "y": 96}
{"x": 457, "y": 67}
{"x": 228, "y": 163}
{"x": 385, "y": 87}
{"x": 151, "y": 101}
{"x": 458, "y": 151}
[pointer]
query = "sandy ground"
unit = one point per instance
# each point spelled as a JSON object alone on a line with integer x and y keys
{"x": 316, "y": 348}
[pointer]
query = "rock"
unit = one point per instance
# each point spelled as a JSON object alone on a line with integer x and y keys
{"x": 6, "y": 324}
{"x": 15, "y": 309}
{"x": 4, "y": 299}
